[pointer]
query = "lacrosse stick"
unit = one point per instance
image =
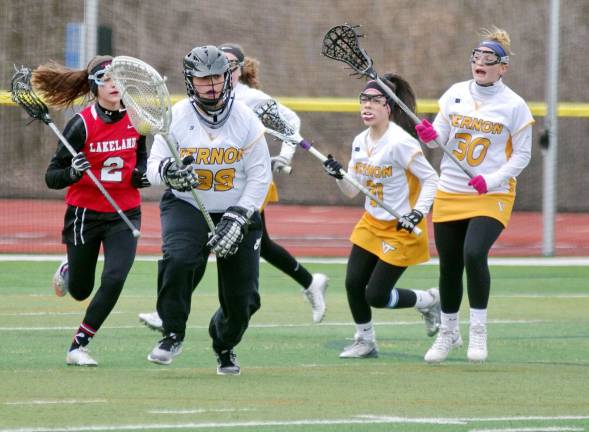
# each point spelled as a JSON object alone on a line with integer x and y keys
{"x": 341, "y": 43}
{"x": 267, "y": 112}
{"x": 22, "y": 94}
{"x": 145, "y": 94}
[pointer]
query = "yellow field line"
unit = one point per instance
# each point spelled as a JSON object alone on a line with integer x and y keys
{"x": 350, "y": 105}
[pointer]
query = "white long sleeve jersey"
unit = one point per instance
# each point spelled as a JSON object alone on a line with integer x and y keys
{"x": 395, "y": 170}
{"x": 232, "y": 162}
{"x": 489, "y": 130}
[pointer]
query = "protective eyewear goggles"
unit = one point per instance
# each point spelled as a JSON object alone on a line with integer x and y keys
{"x": 374, "y": 98}
{"x": 234, "y": 65}
{"x": 99, "y": 77}
{"x": 488, "y": 58}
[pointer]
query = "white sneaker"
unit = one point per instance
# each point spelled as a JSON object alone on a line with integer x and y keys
{"x": 361, "y": 348}
{"x": 445, "y": 341}
{"x": 80, "y": 357}
{"x": 477, "y": 343}
{"x": 60, "y": 279}
{"x": 431, "y": 314}
{"x": 152, "y": 320}
{"x": 316, "y": 296}
{"x": 165, "y": 350}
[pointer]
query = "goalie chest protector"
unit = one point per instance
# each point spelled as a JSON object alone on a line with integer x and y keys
{"x": 111, "y": 149}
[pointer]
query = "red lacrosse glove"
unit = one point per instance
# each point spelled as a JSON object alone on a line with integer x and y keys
{"x": 479, "y": 184}
{"x": 425, "y": 131}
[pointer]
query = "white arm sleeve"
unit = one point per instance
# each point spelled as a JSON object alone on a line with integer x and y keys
{"x": 347, "y": 189}
{"x": 520, "y": 158}
{"x": 442, "y": 127}
{"x": 259, "y": 174}
{"x": 421, "y": 168}
{"x": 159, "y": 151}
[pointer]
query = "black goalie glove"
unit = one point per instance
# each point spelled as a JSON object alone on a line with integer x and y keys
{"x": 333, "y": 167}
{"x": 139, "y": 179}
{"x": 229, "y": 232}
{"x": 181, "y": 178}
{"x": 79, "y": 165}
{"x": 409, "y": 221}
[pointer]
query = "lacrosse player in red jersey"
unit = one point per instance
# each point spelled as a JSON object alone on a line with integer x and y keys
{"x": 113, "y": 150}
{"x": 226, "y": 159}
{"x": 488, "y": 127}
{"x": 246, "y": 88}
{"x": 387, "y": 160}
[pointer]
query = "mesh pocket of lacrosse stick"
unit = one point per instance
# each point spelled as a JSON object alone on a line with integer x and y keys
{"x": 21, "y": 93}
{"x": 341, "y": 43}
{"x": 267, "y": 112}
{"x": 144, "y": 93}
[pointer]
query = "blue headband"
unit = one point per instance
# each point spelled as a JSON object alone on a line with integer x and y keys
{"x": 495, "y": 46}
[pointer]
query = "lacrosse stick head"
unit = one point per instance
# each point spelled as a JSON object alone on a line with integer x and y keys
{"x": 144, "y": 93}
{"x": 267, "y": 112}
{"x": 21, "y": 92}
{"x": 341, "y": 43}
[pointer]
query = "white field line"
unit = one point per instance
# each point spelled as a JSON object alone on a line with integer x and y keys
{"x": 506, "y": 261}
{"x": 49, "y": 313}
{"x": 199, "y": 411}
{"x": 532, "y": 429}
{"x": 265, "y": 326}
{"x": 353, "y": 420}
{"x": 57, "y": 402}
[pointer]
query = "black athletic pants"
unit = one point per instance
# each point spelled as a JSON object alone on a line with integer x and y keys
{"x": 119, "y": 253}
{"x": 282, "y": 259}
{"x": 369, "y": 282}
{"x": 465, "y": 244}
{"x": 185, "y": 234}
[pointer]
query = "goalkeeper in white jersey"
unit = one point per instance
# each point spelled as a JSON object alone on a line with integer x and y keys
{"x": 246, "y": 89}
{"x": 226, "y": 160}
{"x": 488, "y": 128}
{"x": 387, "y": 159}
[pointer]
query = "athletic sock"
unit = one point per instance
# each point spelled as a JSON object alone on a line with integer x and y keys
{"x": 82, "y": 337}
{"x": 478, "y": 317}
{"x": 365, "y": 331}
{"x": 450, "y": 321}
{"x": 424, "y": 299}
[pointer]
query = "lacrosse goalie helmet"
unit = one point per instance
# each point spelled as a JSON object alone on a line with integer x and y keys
{"x": 202, "y": 62}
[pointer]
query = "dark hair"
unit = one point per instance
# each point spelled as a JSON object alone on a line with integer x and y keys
{"x": 60, "y": 86}
{"x": 404, "y": 92}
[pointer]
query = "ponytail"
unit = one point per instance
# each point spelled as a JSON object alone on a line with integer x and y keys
{"x": 405, "y": 93}
{"x": 58, "y": 85}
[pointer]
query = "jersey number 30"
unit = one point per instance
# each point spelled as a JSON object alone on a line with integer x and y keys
{"x": 474, "y": 150}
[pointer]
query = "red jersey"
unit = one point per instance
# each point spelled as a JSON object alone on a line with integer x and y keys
{"x": 111, "y": 149}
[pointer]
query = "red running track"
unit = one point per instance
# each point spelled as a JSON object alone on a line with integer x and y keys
{"x": 34, "y": 226}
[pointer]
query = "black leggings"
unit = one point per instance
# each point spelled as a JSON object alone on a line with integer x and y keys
{"x": 369, "y": 283}
{"x": 119, "y": 254}
{"x": 282, "y": 259}
{"x": 465, "y": 244}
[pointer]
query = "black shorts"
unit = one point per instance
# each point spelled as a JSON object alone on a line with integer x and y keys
{"x": 82, "y": 225}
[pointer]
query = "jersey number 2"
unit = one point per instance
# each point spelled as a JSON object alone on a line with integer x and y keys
{"x": 112, "y": 169}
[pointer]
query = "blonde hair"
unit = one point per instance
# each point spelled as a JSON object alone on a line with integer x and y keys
{"x": 497, "y": 35}
{"x": 60, "y": 86}
{"x": 249, "y": 72}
